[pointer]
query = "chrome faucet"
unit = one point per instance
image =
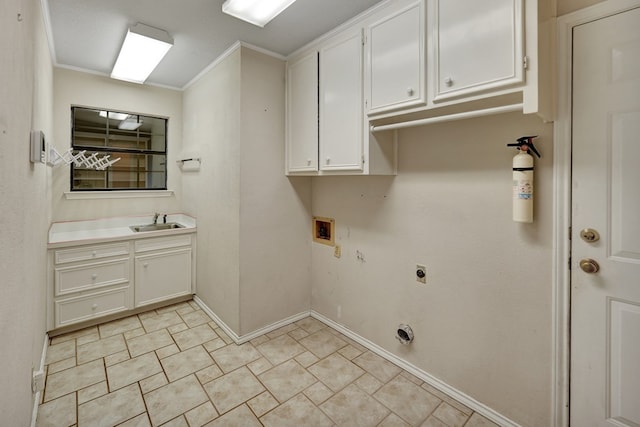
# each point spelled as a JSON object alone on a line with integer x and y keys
{"x": 155, "y": 218}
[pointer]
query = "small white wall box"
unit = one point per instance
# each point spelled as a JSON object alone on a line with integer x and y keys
{"x": 324, "y": 230}
{"x": 37, "y": 147}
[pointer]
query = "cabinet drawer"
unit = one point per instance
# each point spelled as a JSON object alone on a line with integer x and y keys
{"x": 84, "y": 307}
{"x": 146, "y": 245}
{"x": 94, "y": 275}
{"x": 65, "y": 256}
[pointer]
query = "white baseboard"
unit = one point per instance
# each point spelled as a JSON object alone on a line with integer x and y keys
{"x": 466, "y": 400}
{"x": 255, "y": 334}
{"x": 436, "y": 383}
{"x": 36, "y": 396}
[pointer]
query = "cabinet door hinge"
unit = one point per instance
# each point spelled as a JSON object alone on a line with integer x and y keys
{"x": 525, "y": 62}
{"x": 364, "y": 39}
{"x": 363, "y": 159}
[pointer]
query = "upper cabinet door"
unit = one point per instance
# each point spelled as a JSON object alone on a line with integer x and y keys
{"x": 341, "y": 104}
{"x": 302, "y": 115}
{"x": 478, "y": 46}
{"x": 396, "y": 60}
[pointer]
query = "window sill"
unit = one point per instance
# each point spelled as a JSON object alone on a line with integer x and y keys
{"x": 128, "y": 194}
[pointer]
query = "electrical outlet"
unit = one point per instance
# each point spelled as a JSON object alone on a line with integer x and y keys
{"x": 421, "y": 273}
{"x": 337, "y": 251}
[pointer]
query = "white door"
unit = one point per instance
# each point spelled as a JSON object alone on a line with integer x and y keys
{"x": 605, "y": 305}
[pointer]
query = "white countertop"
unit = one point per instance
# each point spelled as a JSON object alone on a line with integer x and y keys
{"x": 107, "y": 229}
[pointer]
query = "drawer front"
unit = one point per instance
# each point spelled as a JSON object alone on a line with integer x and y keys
{"x": 91, "y": 276}
{"x": 146, "y": 245}
{"x": 85, "y": 307}
{"x": 85, "y": 253}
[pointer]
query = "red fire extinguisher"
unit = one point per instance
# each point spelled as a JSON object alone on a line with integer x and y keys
{"x": 523, "y": 179}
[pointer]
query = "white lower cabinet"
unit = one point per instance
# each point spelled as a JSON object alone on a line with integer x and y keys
{"x": 161, "y": 275}
{"x": 163, "y": 268}
{"x": 89, "y": 281}
{"x": 93, "y": 281}
{"x": 89, "y": 305}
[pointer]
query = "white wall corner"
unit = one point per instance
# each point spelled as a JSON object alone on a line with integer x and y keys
{"x": 237, "y": 45}
{"x": 46, "y": 17}
{"x": 401, "y": 363}
{"x": 248, "y": 337}
{"x": 461, "y": 397}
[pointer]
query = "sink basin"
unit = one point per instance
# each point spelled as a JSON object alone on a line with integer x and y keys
{"x": 155, "y": 227}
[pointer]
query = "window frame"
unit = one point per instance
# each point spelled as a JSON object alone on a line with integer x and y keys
{"x": 114, "y": 151}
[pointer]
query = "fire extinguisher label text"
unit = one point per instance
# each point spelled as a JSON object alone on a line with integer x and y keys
{"x": 523, "y": 189}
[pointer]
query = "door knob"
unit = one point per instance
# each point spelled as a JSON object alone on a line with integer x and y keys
{"x": 589, "y": 235}
{"x": 589, "y": 266}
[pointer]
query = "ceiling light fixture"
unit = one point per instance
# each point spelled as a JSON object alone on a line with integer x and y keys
{"x": 112, "y": 115}
{"x": 142, "y": 50}
{"x": 256, "y": 12}
{"x": 130, "y": 123}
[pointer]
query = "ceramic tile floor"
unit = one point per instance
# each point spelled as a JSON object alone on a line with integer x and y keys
{"x": 175, "y": 367}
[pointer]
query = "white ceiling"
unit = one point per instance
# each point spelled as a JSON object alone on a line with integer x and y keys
{"x": 87, "y": 34}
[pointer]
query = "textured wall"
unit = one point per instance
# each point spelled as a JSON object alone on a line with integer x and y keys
{"x": 483, "y": 320}
{"x": 212, "y": 131}
{"x": 24, "y": 203}
{"x": 275, "y": 238}
{"x": 253, "y": 236}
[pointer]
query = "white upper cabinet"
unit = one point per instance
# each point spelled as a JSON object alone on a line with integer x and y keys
{"x": 407, "y": 60}
{"x": 341, "y": 103}
{"x": 327, "y": 131}
{"x": 396, "y": 60}
{"x": 477, "y": 46}
{"x": 302, "y": 114}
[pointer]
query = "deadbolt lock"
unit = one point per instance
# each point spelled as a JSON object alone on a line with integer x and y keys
{"x": 589, "y": 266}
{"x": 590, "y": 235}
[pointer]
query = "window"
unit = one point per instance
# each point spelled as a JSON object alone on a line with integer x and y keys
{"x": 139, "y": 141}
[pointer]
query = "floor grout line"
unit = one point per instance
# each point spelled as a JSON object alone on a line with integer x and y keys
{"x": 333, "y": 346}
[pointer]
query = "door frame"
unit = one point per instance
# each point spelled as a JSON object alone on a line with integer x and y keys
{"x": 561, "y": 299}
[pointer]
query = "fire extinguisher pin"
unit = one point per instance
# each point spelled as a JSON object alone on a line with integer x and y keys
{"x": 526, "y": 141}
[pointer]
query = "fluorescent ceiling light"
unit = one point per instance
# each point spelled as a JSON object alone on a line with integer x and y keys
{"x": 256, "y": 12}
{"x": 114, "y": 116}
{"x": 130, "y": 123}
{"x": 142, "y": 50}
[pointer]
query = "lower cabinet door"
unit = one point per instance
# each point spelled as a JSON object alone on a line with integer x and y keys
{"x": 162, "y": 275}
{"x": 87, "y": 306}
